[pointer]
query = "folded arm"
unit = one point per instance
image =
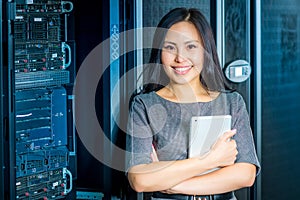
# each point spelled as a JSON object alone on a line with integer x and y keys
{"x": 163, "y": 175}
{"x": 226, "y": 179}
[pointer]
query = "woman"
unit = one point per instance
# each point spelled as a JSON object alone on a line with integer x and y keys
{"x": 190, "y": 83}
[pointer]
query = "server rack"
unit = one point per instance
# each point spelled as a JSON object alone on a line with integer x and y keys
{"x": 40, "y": 74}
{"x": 277, "y": 61}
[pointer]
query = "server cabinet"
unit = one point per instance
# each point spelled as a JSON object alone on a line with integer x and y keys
{"x": 277, "y": 46}
{"x": 40, "y": 73}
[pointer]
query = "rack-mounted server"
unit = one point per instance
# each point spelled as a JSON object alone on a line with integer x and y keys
{"x": 39, "y": 63}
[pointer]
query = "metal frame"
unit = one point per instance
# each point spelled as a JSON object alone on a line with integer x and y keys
{"x": 258, "y": 92}
{"x": 139, "y": 42}
{"x": 220, "y": 35}
{"x": 11, "y": 105}
{"x": 112, "y": 78}
{"x": 2, "y": 165}
{"x": 248, "y": 32}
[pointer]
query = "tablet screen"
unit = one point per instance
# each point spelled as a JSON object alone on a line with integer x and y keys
{"x": 204, "y": 132}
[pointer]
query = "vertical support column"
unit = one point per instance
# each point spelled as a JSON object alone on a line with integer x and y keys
{"x": 114, "y": 70}
{"x": 139, "y": 42}
{"x": 110, "y": 80}
{"x": 2, "y": 166}
{"x": 220, "y": 30}
{"x": 11, "y": 11}
{"x": 258, "y": 94}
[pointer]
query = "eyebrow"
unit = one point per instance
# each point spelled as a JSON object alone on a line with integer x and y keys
{"x": 187, "y": 42}
{"x": 170, "y": 42}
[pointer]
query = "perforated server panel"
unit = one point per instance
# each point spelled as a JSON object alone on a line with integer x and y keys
{"x": 39, "y": 45}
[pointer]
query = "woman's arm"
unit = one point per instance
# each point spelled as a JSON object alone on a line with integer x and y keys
{"x": 162, "y": 175}
{"x": 226, "y": 179}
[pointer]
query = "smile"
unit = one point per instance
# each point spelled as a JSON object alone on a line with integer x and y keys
{"x": 182, "y": 70}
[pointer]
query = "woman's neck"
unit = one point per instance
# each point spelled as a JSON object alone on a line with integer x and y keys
{"x": 185, "y": 93}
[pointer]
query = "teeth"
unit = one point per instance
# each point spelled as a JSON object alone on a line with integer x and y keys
{"x": 182, "y": 69}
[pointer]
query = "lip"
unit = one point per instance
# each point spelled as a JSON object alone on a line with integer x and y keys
{"x": 181, "y": 70}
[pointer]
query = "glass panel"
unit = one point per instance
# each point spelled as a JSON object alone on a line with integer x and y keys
{"x": 237, "y": 39}
{"x": 236, "y": 30}
{"x": 280, "y": 102}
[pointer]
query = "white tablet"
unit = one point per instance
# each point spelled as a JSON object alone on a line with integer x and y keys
{"x": 204, "y": 132}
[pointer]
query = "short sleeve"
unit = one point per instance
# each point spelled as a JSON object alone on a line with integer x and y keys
{"x": 244, "y": 136}
{"x": 139, "y": 135}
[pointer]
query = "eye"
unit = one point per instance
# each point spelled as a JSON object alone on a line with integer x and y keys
{"x": 169, "y": 47}
{"x": 191, "y": 46}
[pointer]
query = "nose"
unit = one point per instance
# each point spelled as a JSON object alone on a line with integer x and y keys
{"x": 180, "y": 57}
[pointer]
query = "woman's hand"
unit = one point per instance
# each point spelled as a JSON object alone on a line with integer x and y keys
{"x": 224, "y": 151}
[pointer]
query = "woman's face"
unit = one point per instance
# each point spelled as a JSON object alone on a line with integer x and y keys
{"x": 182, "y": 53}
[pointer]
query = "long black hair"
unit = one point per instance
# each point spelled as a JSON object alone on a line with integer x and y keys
{"x": 211, "y": 76}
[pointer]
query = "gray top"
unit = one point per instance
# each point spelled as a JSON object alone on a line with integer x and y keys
{"x": 165, "y": 124}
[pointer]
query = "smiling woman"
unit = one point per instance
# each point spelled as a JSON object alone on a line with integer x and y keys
{"x": 189, "y": 83}
{"x": 182, "y": 59}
